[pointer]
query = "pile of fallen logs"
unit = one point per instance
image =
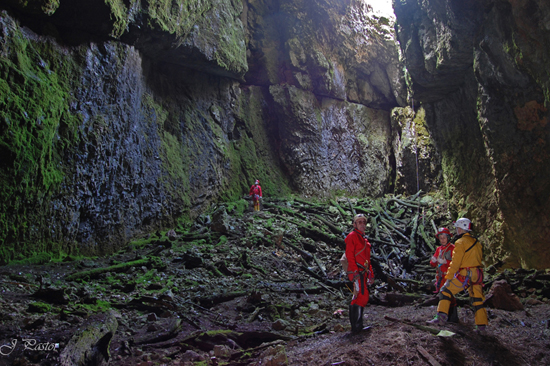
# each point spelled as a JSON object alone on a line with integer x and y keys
{"x": 402, "y": 232}
{"x": 400, "y": 229}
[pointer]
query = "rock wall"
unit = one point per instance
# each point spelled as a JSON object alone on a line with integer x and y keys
{"x": 120, "y": 117}
{"x": 480, "y": 71}
{"x": 334, "y": 74}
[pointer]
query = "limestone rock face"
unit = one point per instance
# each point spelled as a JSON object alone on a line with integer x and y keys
{"x": 334, "y": 76}
{"x": 329, "y": 145}
{"x": 118, "y": 117}
{"x": 479, "y": 68}
{"x": 331, "y": 48}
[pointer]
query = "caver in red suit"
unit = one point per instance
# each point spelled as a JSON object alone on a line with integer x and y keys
{"x": 442, "y": 260}
{"x": 442, "y": 257}
{"x": 256, "y": 193}
{"x": 359, "y": 270}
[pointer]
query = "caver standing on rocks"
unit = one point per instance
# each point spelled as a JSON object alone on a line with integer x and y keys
{"x": 256, "y": 193}
{"x": 465, "y": 272}
{"x": 441, "y": 261}
{"x": 359, "y": 270}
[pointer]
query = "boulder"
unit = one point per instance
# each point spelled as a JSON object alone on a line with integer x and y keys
{"x": 500, "y": 296}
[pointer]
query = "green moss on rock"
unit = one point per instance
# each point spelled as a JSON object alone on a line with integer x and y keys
{"x": 36, "y": 127}
{"x": 39, "y": 307}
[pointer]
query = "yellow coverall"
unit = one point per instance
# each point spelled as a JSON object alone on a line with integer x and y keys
{"x": 465, "y": 269}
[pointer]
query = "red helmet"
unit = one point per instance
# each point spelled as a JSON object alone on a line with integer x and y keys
{"x": 443, "y": 230}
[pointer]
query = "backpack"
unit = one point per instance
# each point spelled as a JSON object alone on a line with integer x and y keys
{"x": 344, "y": 262}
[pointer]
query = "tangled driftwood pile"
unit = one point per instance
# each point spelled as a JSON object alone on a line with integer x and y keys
{"x": 400, "y": 229}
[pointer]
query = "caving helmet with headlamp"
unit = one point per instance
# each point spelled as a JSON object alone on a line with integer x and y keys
{"x": 463, "y": 223}
{"x": 443, "y": 230}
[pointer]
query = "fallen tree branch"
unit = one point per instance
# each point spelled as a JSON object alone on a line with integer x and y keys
{"x": 169, "y": 329}
{"x": 302, "y": 252}
{"x": 421, "y": 327}
{"x": 254, "y": 315}
{"x": 122, "y": 267}
{"x": 91, "y": 342}
{"x": 334, "y": 228}
{"x": 427, "y": 356}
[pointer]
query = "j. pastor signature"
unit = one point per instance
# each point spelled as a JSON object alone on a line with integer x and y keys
{"x": 28, "y": 344}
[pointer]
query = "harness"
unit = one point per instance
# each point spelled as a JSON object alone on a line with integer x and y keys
{"x": 442, "y": 254}
{"x": 361, "y": 268}
{"x": 256, "y": 193}
{"x": 466, "y": 281}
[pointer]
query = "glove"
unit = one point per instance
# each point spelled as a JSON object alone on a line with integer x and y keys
{"x": 433, "y": 259}
{"x": 353, "y": 276}
{"x": 371, "y": 280}
{"x": 441, "y": 260}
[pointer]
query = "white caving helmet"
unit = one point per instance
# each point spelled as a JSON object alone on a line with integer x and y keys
{"x": 463, "y": 223}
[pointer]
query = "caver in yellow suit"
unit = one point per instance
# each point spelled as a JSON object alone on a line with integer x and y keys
{"x": 465, "y": 272}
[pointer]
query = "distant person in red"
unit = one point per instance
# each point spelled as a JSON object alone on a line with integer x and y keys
{"x": 359, "y": 271}
{"x": 441, "y": 261}
{"x": 256, "y": 193}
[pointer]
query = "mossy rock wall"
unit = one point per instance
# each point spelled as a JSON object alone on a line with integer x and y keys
{"x": 480, "y": 71}
{"x": 417, "y": 160}
{"x": 101, "y": 145}
{"x": 122, "y": 116}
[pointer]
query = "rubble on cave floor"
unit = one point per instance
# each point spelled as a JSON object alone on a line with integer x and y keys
{"x": 242, "y": 288}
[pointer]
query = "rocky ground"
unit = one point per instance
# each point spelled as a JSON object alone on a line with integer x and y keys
{"x": 244, "y": 288}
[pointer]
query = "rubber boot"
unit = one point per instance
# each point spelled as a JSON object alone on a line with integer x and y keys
{"x": 360, "y": 320}
{"x": 453, "y": 315}
{"x": 481, "y": 329}
{"x": 355, "y": 317}
{"x": 351, "y": 317}
{"x": 360, "y": 326}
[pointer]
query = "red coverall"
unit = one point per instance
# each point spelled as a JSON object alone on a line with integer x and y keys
{"x": 359, "y": 266}
{"x": 445, "y": 252}
{"x": 256, "y": 193}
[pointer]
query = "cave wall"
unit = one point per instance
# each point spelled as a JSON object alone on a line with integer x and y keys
{"x": 120, "y": 117}
{"x": 103, "y": 145}
{"x": 334, "y": 75}
{"x": 480, "y": 71}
